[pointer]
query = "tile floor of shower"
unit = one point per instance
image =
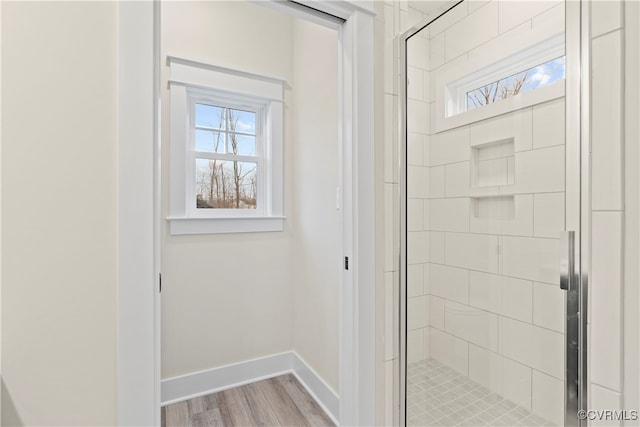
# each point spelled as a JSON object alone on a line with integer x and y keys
{"x": 439, "y": 396}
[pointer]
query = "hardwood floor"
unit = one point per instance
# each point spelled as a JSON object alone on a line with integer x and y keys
{"x": 279, "y": 401}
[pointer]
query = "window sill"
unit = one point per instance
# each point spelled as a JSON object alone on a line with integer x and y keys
{"x": 190, "y": 225}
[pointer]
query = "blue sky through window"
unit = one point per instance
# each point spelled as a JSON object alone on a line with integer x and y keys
{"x": 524, "y": 81}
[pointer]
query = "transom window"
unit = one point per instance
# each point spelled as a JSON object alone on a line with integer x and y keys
{"x": 524, "y": 81}
{"x": 226, "y": 157}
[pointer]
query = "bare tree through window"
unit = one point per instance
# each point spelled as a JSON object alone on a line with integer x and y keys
{"x": 226, "y": 183}
{"x": 527, "y": 80}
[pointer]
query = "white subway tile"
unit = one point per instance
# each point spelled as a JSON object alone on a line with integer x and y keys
{"x": 603, "y": 399}
{"x": 549, "y": 306}
{"x": 450, "y": 214}
{"x": 484, "y": 368}
{"x": 426, "y": 157}
{"x": 415, "y": 215}
{"x": 437, "y": 254}
{"x": 457, "y": 179}
{"x": 606, "y": 16}
{"x": 450, "y": 283}
{"x": 416, "y": 144}
{"x": 417, "y": 116}
{"x": 548, "y": 214}
{"x": 522, "y": 222}
{"x": 450, "y": 351}
{"x": 415, "y": 84}
{"x": 451, "y": 146}
{"x": 415, "y": 345}
{"x": 606, "y": 122}
{"x": 416, "y": 312}
{"x": 516, "y": 382}
{"x": 540, "y": 171}
{"x": 548, "y": 397}
{"x": 482, "y": 24}
{"x": 548, "y": 123}
{"x": 427, "y": 279}
{"x": 389, "y": 311}
{"x": 552, "y": 21}
{"x": 427, "y": 343}
{"x": 517, "y": 126}
{"x": 436, "y": 312}
{"x": 391, "y": 225}
{"x": 606, "y": 289}
{"x": 473, "y": 325}
{"x": 390, "y": 141}
{"x": 436, "y": 51}
{"x": 417, "y": 247}
{"x": 417, "y": 182}
{"x": 437, "y": 182}
{"x": 476, "y": 4}
{"x": 531, "y": 258}
{"x": 501, "y": 375}
{"x": 427, "y": 214}
{"x": 517, "y": 299}
{"x": 415, "y": 280}
{"x": 426, "y": 87}
{"x": 485, "y": 291}
{"x": 533, "y": 346}
{"x": 448, "y": 19}
{"x": 418, "y": 53}
{"x": 514, "y": 12}
{"x": 388, "y": 391}
{"x": 472, "y": 251}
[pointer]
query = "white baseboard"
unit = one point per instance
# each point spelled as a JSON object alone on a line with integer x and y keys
{"x": 184, "y": 387}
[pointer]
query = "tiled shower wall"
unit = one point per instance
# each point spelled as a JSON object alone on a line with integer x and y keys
{"x": 607, "y": 204}
{"x": 607, "y": 185}
{"x": 482, "y": 275}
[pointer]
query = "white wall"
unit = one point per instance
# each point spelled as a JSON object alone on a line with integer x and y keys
{"x": 59, "y": 213}
{"x": 227, "y": 297}
{"x": 315, "y": 221}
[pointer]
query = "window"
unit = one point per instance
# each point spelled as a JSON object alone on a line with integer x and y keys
{"x": 508, "y": 73}
{"x": 524, "y": 81}
{"x": 226, "y": 150}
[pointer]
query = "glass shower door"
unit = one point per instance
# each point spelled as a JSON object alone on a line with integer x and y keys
{"x": 485, "y": 195}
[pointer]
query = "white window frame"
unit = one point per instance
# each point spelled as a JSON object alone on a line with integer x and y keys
{"x": 524, "y": 60}
{"x": 502, "y": 57}
{"x": 192, "y": 82}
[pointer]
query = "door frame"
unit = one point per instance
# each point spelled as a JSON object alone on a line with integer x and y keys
{"x": 577, "y": 202}
{"x": 140, "y": 216}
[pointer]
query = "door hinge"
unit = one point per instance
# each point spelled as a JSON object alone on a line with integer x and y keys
{"x": 346, "y": 263}
{"x": 160, "y": 282}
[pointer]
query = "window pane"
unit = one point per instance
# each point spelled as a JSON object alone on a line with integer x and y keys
{"x": 209, "y": 141}
{"x": 209, "y": 116}
{"x": 222, "y": 184}
{"x": 533, "y": 78}
{"x": 242, "y": 121}
{"x": 545, "y": 74}
{"x": 242, "y": 144}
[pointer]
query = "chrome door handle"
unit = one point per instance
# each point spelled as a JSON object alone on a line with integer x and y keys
{"x": 567, "y": 259}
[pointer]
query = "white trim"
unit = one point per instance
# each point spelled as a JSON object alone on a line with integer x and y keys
{"x": 202, "y": 383}
{"x": 199, "y": 225}
{"x": 137, "y": 362}
{"x": 193, "y": 81}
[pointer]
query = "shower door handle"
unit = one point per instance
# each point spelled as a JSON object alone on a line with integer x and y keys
{"x": 567, "y": 259}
